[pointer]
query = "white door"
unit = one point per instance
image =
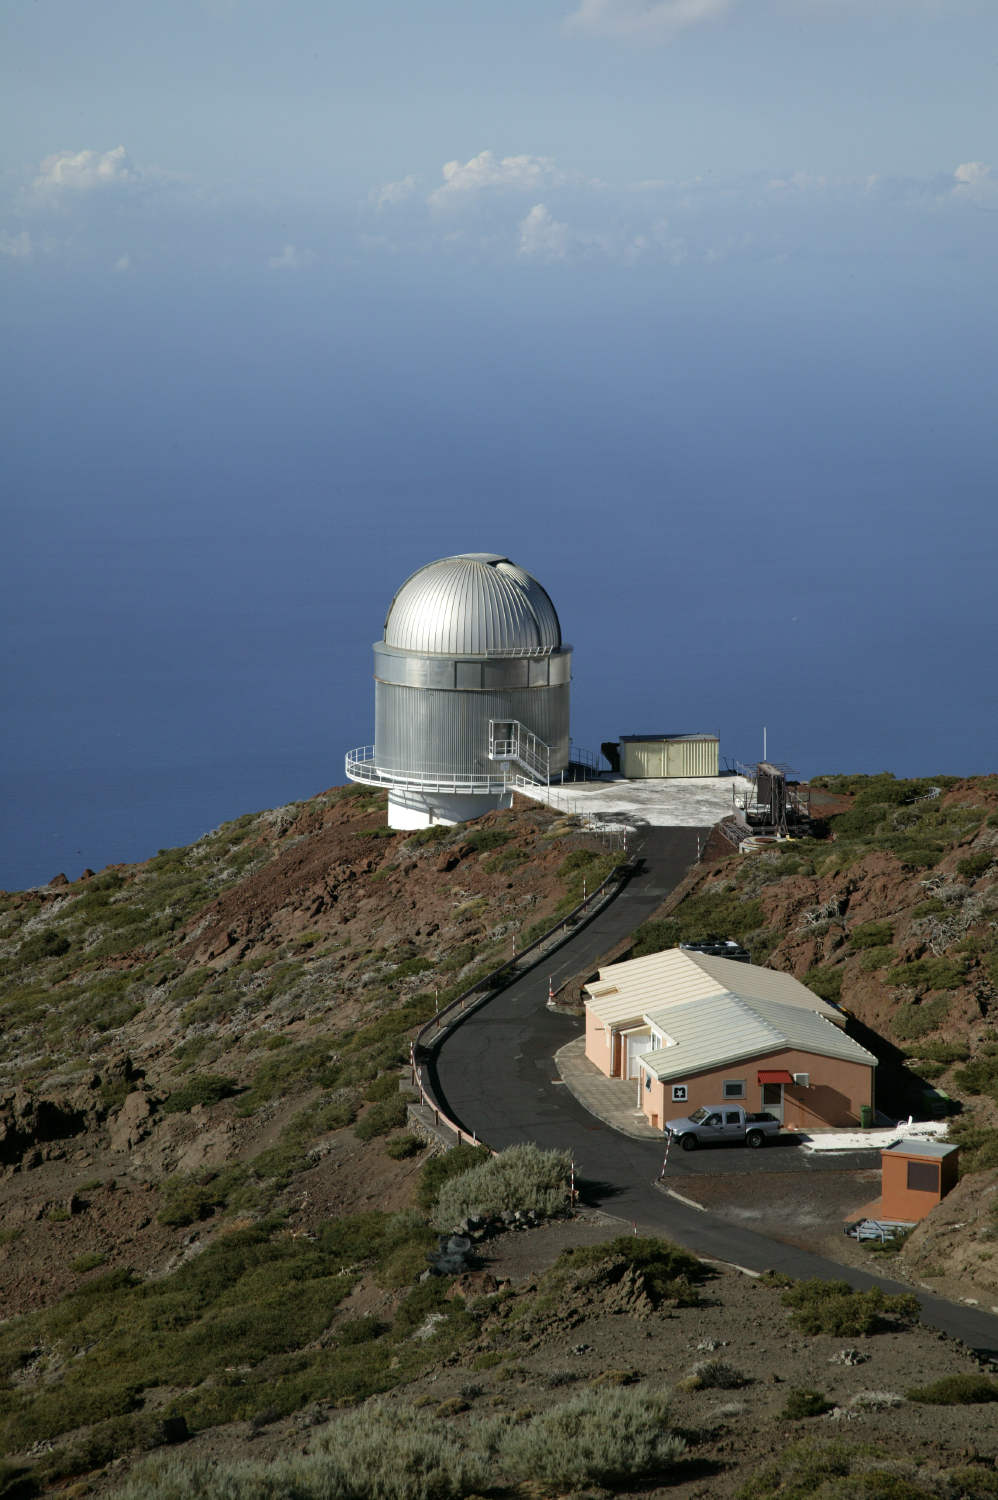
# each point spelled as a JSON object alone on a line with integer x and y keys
{"x": 772, "y": 1100}
{"x": 635, "y": 1046}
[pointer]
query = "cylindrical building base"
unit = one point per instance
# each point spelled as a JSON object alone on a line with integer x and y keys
{"x": 423, "y": 809}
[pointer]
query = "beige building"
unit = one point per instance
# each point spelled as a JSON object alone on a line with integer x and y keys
{"x": 655, "y": 755}
{"x": 690, "y": 1029}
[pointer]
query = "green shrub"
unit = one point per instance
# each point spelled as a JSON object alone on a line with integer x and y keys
{"x": 487, "y": 838}
{"x": 834, "y": 1307}
{"x": 929, "y": 908}
{"x": 385, "y": 1086}
{"x": 205, "y": 1088}
{"x": 917, "y": 1019}
{"x": 401, "y": 1147}
{"x": 46, "y": 944}
{"x": 978, "y": 1145}
{"x": 956, "y": 1390}
{"x": 666, "y": 1270}
{"x": 89, "y": 1262}
{"x": 825, "y": 983}
{"x": 537, "y": 930}
{"x": 521, "y": 1177}
{"x": 510, "y": 859}
{"x": 605, "y": 1437}
{"x": 978, "y": 1077}
{"x": 185, "y": 1200}
{"x": 872, "y": 935}
{"x": 360, "y": 1330}
{"x": 379, "y": 1453}
{"x": 930, "y": 1071}
{"x": 859, "y": 822}
{"x": 435, "y": 1172}
{"x": 975, "y": 864}
{"x": 929, "y": 974}
{"x": 382, "y": 1118}
{"x": 981, "y": 1484}
{"x": 877, "y": 958}
{"x": 426, "y": 1298}
{"x": 432, "y": 835}
{"x": 940, "y": 1052}
{"x": 805, "y": 1403}
{"x": 655, "y": 937}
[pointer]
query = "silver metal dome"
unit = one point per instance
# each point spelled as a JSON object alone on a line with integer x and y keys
{"x": 478, "y": 604}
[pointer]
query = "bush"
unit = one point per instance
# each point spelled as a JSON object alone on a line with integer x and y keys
{"x": 185, "y": 1200}
{"x": 978, "y": 1077}
{"x": 929, "y": 908}
{"x": 655, "y": 937}
{"x": 877, "y": 958}
{"x": 973, "y": 865}
{"x": 385, "y": 1086}
{"x": 360, "y": 1330}
{"x": 604, "y": 1437}
{"x": 712, "y": 1374}
{"x": 666, "y": 1269}
{"x": 379, "y": 1453}
{"x": 510, "y": 859}
{"x": 721, "y": 914}
{"x": 805, "y": 1403}
{"x": 978, "y": 1145}
{"x": 872, "y": 935}
{"x": 401, "y": 1147}
{"x": 435, "y": 1172}
{"x": 522, "y": 1177}
{"x": 940, "y": 1052}
{"x": 956, "y": 1390}
{"x": 834, "y": 1307}
{"x": 205, "y": 1088}
{"x": 912, "y": 1021}
{"x": 382, "y": 1118}
{"x": 84, "y": 1263}
{"x": 486, "y": 838}
{"x": 45, "y": 944}
{"x": 825, "y": 983}
{"x": 929, "y": 974}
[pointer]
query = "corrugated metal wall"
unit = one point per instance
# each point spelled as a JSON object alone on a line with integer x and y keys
{"x": 441, "y": 733}
{"x": 651, "y": 758}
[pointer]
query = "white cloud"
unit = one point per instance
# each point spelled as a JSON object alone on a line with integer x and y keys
{"x": 124, "y": 264}
{"x": 16, "y": 246}
{"x": 643, "y": 20}
{"x": 524, "y": 173}
{"x": 395, "y": 192}
{"x": 542, "y": 235}
{"x": 291, "y": 259}
{"x": 975, "y": 183}
{"x": 82, "y": 171}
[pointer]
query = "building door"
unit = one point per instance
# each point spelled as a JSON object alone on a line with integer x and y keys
{"x": 772, "y": 1100}
{"x": 635, "y": 1046}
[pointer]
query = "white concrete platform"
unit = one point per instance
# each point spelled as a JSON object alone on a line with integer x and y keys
{"x": 871, "y": 1140}
{"x": 666, "y": 802}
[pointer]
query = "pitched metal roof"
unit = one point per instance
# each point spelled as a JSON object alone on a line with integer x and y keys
{"x": 730, "y": 1028}
{"x": 475, "y": 604}
{"x": 624, "y": 992}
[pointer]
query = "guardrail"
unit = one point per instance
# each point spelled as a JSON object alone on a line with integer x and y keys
{"x": 435, "y": 1028}
{"x": 361, "y": 766}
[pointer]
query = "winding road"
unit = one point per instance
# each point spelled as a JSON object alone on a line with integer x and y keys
{"x": 494, "y": 1073}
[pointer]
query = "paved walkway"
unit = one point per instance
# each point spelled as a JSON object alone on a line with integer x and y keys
{"x": 685, "y": 802}
{"x": 612, "y": 1100}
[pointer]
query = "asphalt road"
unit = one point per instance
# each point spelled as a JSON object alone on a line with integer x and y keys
{"x": 494, "y": 1073}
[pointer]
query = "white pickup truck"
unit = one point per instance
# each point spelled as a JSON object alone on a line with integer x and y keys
{"x": 712, "y": 1124}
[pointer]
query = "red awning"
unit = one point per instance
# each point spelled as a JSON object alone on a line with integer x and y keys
{"x": 778, "y": 1075}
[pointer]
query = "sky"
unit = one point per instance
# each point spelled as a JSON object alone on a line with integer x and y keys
{"x": 687, "y": 306}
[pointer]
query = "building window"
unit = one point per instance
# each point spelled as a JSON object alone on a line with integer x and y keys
{"x": 647, "y": 1080}
{"x": 679, "y": 1094}
{"x": 734, "y": 1088}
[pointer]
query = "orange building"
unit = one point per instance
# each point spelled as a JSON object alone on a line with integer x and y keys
{"x": 916, "y": 1175}
{"x": 692, "y": 1035}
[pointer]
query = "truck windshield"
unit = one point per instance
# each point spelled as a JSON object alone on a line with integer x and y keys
{"x": 698, "y": 1116}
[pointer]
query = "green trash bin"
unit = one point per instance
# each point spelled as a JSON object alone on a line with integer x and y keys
{"x": 865, "y": 1116}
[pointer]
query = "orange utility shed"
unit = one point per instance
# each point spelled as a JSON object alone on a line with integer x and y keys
{"x": 916, "y": 1176}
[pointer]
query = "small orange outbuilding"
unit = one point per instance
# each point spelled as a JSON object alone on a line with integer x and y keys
{"x": 916, "y": 1175}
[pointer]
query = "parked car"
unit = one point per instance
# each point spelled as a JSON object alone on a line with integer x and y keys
{"x": 712, "y": 1124}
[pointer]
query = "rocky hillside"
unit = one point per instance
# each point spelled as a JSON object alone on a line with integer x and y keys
{"x": 194, "y": 1026}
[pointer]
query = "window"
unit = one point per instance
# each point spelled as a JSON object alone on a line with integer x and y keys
{"x": 734, "y": 1088}
{"x": 732, "y": 1117}
{"x": 923, "y": 1177}
{"x": 647, "y": 1080}
{"x": 679, "y": 1094}
{"x": 713, "y": 1120}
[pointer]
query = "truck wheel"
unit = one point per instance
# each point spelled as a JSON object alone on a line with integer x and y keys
{"x": 755, "y": 1139}
{"x": 688, "y": 1142}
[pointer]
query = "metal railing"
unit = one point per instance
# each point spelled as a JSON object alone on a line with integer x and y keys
{"x": 361, "y": 766}
{"x": 510, "y": 741}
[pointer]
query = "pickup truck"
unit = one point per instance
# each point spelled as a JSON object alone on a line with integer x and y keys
{"x": 712, "y": 1124}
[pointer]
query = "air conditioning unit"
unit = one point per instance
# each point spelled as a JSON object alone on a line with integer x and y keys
{"x": 802, "y": 1080}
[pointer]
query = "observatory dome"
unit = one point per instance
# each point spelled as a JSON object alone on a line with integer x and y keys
{"x": 476, "y": 604}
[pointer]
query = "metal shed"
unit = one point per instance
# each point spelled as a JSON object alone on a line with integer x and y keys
{"x": 651, "y": 755}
